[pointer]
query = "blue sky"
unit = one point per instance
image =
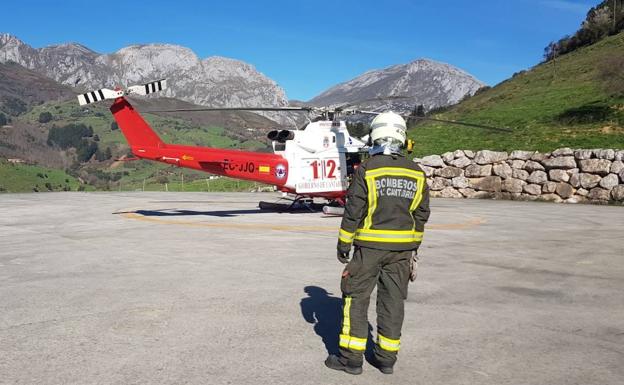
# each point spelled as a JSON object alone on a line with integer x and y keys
{"x": 308, "y": 46}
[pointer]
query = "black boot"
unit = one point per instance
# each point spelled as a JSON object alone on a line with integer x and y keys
{"x": 385, "y": 369}
{"x": 334, "y": 362}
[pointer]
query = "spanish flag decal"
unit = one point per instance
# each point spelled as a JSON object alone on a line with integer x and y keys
{"x": 187, "y": 157}
{"x": 264, "y": 169}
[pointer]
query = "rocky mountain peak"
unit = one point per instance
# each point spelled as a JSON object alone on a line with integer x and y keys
{"x": 427, "y": 82}
{"x": 158, "y": 51}
{"x": 13, "y": 49}
{"x": 6, "y": 39}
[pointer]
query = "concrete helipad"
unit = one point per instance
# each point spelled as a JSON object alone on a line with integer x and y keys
{"x": 173, "y": 288}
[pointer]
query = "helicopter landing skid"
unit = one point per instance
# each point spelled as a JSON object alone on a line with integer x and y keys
{"x": 295, "y": 205}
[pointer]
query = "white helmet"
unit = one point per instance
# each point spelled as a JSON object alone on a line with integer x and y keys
{"x": 388, "y": 127}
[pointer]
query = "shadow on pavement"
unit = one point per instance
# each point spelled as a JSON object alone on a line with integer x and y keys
{"x": 325, "y": 312}
{"x": 215, "y": 213}
{"x": 184, "y": 213}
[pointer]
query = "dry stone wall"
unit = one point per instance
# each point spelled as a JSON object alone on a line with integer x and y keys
{"x": 564, "y": 175}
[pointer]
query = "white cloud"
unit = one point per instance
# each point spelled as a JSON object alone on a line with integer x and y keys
{"x": 567, "y": 5}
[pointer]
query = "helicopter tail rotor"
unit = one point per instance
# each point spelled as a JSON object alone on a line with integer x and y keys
{"x": 105, "y": 93}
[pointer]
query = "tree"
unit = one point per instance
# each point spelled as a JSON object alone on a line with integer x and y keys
{"x": 45, "y": 117}
{"x": 86, "y": 150}
{"x": 102, "y": 156}
{"x": 418, "y": 111}
{"x": 551, "y": 51}
{"x": 598, "y": 23}
{"x": 70, "y": 135}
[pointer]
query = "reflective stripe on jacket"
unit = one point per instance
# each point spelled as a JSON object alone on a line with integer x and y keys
{"x": 387, "y": 205}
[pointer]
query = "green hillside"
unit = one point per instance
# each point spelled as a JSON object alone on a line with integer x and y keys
{"x": 557, "y": 104}
{"x": 108, "y": 174}
{"x": 29, "y": 178}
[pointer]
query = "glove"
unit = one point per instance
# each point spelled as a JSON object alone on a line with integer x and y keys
{"x": 413, "y": 266}
{"x": 343, "y": 257}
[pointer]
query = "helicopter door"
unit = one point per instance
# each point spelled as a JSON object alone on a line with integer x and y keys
{"x": 322, "y": 174}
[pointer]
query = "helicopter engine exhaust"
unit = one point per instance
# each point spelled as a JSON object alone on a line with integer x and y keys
{"x": 281, "y": 136}
{"x": 285, "y": 135}
{"x": 272, "y": 135}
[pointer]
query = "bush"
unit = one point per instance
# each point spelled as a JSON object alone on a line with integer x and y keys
{"x": 68, "y": 136}
{"x": 14, "y": 106}
{"x": 45, "y": 117}
{"x": 3, "y": 119}
{"x": 114, "y": 126}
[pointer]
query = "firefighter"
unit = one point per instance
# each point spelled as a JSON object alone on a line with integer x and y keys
{"x": 384, "y": 218}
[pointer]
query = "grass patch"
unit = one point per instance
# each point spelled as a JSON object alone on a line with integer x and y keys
{"x": 16, "y": 178}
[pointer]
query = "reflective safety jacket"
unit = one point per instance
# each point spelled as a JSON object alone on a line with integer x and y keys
{"x": 387, "y": 205}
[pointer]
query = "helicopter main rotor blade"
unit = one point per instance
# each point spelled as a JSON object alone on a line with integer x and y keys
{"x": 307, "y": 109}
{"x": 378, "y": 99}
{"x": 363, "y": 112}
{"x": 463, "y": 123}
{"x": 436, "y": 120}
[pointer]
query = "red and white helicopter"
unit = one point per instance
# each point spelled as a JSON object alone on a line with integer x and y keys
{"x": 315, "y": 162}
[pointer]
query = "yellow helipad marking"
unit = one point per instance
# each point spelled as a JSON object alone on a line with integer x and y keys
{"x": 270, "y": 226}
{"x": 457, "y": 226}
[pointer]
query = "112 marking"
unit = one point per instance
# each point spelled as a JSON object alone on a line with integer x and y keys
{"x": 325, "y": 169}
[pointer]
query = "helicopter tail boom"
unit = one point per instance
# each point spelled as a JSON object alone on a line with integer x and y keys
{"x": 137, "y": 132}
{"x": 146, "y": 144}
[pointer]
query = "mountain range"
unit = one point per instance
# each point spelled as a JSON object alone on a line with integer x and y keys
{"x": 222, "y": 82}
{"x": 215, "y": 81}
